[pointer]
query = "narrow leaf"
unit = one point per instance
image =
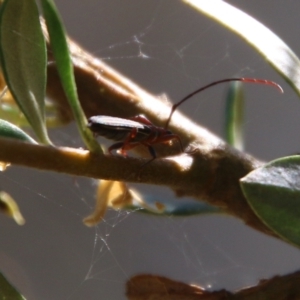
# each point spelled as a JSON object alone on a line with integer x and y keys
{"x": 168, "y": 206}
{"x": 161, "y": 206}
{"x": 234, "y": 118}
{"x": 7, "y": 291}
{"x": 117, "y": 195}
{"x": 12, "y": 131}
{"x": 62, "y": 57}
{"x": 10, "y": 207}
{"x": 273, "y": 192}
{"x": 268, "y": 44}
{"x": 23, "y": 60}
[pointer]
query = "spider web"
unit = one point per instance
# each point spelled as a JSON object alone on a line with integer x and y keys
{"x": 166, "y": 48}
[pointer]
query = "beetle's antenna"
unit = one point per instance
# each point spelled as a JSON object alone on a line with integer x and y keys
{"x": 249, "y": 80}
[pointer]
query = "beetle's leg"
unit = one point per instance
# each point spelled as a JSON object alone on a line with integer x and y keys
{"x": 127, "y": 143}
{"x": 116, "y": 146}
{"x": 141, "y": 119}
{"x": 131, "y": 135}
{"x": 123, "y": 146}
{"x": 152, "y": 152}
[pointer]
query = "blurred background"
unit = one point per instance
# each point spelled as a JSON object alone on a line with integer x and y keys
{"x": 168, "y": 49}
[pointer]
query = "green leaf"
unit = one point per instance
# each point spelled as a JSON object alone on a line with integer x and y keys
{"x": 23, "y": 59}
{"x": 12, "y": 131}
{"x": 7, "y": 291}
{"x": 268, "y": 44}
{"x": 64, "y": 65}
{"x": 234, "y": 118}
{"x": 273, "y": 192}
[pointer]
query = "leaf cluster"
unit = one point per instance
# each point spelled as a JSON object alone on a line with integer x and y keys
{"x": 36, "y": 57}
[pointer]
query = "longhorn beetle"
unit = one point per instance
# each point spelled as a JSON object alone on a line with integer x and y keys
{"x": 140, "y": 131}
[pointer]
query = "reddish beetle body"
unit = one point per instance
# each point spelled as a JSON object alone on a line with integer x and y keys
{"x": 131, "y": 132}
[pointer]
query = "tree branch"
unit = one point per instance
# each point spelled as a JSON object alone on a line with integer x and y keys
{"x": 143, "y": 287}
{"x": 211, "y": 174}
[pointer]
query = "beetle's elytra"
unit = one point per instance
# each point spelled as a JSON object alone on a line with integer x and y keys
{"x": 117, "y": 129}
